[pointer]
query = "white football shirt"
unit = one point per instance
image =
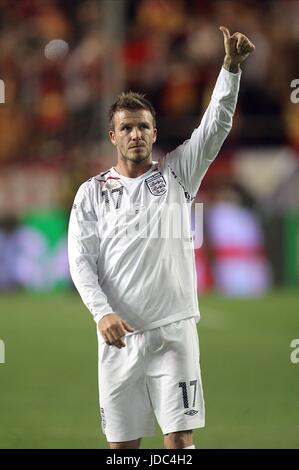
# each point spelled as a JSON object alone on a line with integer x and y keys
{"x": 130, "y": 242}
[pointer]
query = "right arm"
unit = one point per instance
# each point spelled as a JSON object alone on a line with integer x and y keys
{"x": 83, "y": 253}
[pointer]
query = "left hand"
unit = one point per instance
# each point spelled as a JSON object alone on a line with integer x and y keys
{"x": 237, "y": 47}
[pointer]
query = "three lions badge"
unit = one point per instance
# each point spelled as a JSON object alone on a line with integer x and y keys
{"x": 156, "y": 184}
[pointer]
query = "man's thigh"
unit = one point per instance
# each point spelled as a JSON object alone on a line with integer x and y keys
{"x": 174, "y": 378}
{"x": 124, "y": 400}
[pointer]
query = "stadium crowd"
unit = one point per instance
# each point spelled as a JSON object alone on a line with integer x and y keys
{"x": 172, "y": 51}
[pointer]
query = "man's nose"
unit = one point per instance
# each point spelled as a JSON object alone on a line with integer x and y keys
{"x": 135, "y": 133}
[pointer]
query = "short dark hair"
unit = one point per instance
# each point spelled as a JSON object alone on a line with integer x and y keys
{"x": 131, "y": 101}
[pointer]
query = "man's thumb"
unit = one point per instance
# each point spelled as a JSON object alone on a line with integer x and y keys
{"x": 225, "y": 32}
{"x": 127, "y": 326}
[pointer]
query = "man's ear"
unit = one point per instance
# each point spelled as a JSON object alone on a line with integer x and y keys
{"x": 112, "y": 137}
{"x": 155, "y": 135}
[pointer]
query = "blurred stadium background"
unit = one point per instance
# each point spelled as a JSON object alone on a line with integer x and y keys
{"x": 53, "y": 129}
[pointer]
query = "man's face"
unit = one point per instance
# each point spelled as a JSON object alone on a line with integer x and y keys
{"x": 133, "y": 135}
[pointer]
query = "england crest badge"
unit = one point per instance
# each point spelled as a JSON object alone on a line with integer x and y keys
{"x": 156, "y": 184}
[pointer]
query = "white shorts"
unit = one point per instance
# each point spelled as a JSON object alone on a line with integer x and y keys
{"x": 157, "y": 373}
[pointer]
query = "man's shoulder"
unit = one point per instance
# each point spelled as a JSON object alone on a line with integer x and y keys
{"x": 90, "y": 188}
{"x": 95, "y": 180}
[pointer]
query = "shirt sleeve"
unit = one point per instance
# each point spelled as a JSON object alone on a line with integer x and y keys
{"x": 83, "y": 253}
{"x": 190, "y": 161}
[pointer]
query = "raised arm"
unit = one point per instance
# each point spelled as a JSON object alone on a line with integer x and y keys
{"x": 191, "y": 160}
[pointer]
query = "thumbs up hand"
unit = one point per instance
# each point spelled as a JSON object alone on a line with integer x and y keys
{"x": 237, "y": 48}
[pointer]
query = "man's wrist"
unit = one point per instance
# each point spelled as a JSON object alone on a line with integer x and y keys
{"x": 230, "y": 65}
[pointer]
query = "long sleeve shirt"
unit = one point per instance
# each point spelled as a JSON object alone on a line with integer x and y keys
{"x": 130, "y": 244}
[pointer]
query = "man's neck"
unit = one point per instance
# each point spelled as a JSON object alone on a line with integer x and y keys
{"x": 131, "y": 169}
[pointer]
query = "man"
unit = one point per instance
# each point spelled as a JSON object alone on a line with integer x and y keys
{"x": 139, "y": 284}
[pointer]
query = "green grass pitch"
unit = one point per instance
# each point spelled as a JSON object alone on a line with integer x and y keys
{"x": 48, "y": 384}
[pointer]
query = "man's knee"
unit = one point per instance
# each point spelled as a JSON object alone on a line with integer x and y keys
{"x": 178, "y": 440}
{"x": 125, "y": 445}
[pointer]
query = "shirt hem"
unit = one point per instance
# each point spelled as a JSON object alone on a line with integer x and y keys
{"x": 165, "y": 321}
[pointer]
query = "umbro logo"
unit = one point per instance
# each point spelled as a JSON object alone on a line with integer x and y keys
{"x": 191, "y": 412}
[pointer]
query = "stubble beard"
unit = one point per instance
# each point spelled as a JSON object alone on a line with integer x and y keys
{"x": 138, "y": 158}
